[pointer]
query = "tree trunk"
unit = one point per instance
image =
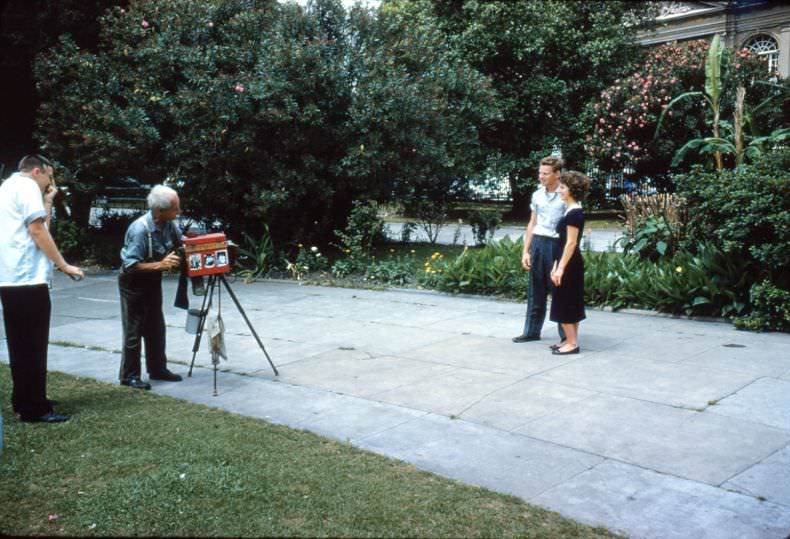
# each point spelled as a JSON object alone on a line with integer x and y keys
{"x": 81, "y": 202}
{"x": 521, "y": 198}
{"x": 719, "y": 162}
{"x": 740, "y": 98}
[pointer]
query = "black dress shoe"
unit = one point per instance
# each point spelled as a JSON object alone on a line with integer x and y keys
{"x": 166, "y": 376}
{"x": 135, "y": 383}
{"x": 558, "y": 353}
{"x": 50, "y": 417}
{"x": 526, "y": 338}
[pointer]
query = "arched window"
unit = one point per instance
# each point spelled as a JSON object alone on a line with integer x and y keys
{"x": 765, "y": 46}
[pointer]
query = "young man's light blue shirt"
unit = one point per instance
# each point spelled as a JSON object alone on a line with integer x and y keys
{"x": 549, "y": 209}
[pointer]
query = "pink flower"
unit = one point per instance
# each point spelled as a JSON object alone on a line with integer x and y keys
{"x": 145, "y": 24}
{"x": 239, "y": 88}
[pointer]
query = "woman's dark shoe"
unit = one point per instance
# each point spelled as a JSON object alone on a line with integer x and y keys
{"x": 558, "y": 353}
{"x": 557, "y": 346}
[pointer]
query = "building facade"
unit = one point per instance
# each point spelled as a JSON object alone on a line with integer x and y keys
{"x": 762, "y": 26}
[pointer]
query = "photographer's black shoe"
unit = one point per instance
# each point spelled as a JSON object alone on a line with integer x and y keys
{"x": 135, "y": 383}
{"x": 166, "y": 376}
{"x": 50, "y": 417}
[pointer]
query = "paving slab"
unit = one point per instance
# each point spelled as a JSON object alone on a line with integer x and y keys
{"x": 769, "y": 479}
{"x": 513, "y": 406}
{"x": 355, "y": 372}
{"x": 666, "y": 382}
{"x": 701, "y": 446}
{"x": 481, "y": 455}
{"x": 644, "y": 504}
{"x": 490, "y": 355}
{"x": 663, "y": 345}
{"x": 105, "y": 334}
{"x": 747, "y": 355}
{"x": 449, "y": 393}
{"x": 765, "y": 401}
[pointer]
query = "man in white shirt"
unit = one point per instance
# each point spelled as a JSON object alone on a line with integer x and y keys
{"x": 540, "y": 241}
{"x": 27, "y": 252}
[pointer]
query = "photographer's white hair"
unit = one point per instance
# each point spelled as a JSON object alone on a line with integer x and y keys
{"x": 161, "y": 197}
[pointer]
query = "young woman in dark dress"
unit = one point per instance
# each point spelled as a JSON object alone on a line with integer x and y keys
{"x": 567, "y": 302}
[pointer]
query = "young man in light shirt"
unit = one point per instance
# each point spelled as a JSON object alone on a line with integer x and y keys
{"x": 540, "y": 242}
{"x": 27, "y": 253}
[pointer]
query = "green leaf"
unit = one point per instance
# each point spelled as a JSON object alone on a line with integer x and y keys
{"x": 713, "y": 70}
{"x": 699, "y": 300}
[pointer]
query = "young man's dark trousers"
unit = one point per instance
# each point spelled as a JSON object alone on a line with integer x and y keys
{"x": 543, "y": 252}
{"x": 26, "y": 312}
{"x": 142, "y": 318}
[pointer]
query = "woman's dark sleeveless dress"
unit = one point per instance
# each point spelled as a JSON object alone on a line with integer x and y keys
{"x": 567, "y": 301}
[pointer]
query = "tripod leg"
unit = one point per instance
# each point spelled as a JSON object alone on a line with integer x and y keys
{"x": 202, "y": 323}
{"x": 247, "y": 320}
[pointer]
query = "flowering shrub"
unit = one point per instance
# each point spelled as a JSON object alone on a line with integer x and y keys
{"x": 622, "y": 125}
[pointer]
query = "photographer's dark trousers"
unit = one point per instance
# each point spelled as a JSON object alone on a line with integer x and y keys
{"x": 26, "y": 311}
{"x": 142, "y": 317}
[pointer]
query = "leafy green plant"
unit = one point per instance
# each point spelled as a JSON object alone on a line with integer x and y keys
{"x": 484, "y": 224}
{"x": 654, "y": 224}
{"x": 407, "y": 231}
{"x": 651, "y": 239}
{"x": 729, "y": 138}
{"x": 494, "y": 269}
{"x": 257, "y": 256}
{"x": 711, "y": 96}
{"x": 709, "y": 283}
{"x": 311, "y": 259}
{"x": 399, "y": 271}
{"x": 72, "y": 240}
{"x": 746, "y": 212}
{"x": 363, "y": 230}
{"x": 770, "y": 309}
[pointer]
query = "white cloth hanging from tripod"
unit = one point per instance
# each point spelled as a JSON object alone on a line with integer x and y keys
{"x": 215, "y": 328}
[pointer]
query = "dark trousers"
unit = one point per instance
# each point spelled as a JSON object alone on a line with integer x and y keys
{"x": 142, "y": 318}
{"x": 26, "y": 311}
{"x": 541, "y": 250}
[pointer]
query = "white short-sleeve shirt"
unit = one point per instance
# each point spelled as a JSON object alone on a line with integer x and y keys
{"x": 22, "y": 263}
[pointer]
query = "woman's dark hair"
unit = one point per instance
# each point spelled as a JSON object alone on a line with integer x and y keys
{"x": 577, "y": 183}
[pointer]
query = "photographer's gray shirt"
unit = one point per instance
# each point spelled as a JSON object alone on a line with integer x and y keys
{"x": 144, "y": 242}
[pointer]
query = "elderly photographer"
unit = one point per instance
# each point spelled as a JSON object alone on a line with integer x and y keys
{"x": 149, "y": 250}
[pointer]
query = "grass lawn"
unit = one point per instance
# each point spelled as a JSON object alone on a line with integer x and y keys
{"x": 134, "y": 463}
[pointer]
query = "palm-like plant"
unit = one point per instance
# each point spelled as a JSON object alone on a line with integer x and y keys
{"x": 712, "y": 96}
{"x": 734, "y": 141}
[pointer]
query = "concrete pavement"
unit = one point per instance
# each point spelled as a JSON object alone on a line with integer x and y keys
{"x": 661, "y": 427}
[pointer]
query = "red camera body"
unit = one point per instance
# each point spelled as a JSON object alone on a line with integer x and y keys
{"x": 207, "y": 254}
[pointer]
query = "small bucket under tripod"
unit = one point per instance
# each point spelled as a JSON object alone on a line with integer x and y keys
{"x": 193, "y": 321}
